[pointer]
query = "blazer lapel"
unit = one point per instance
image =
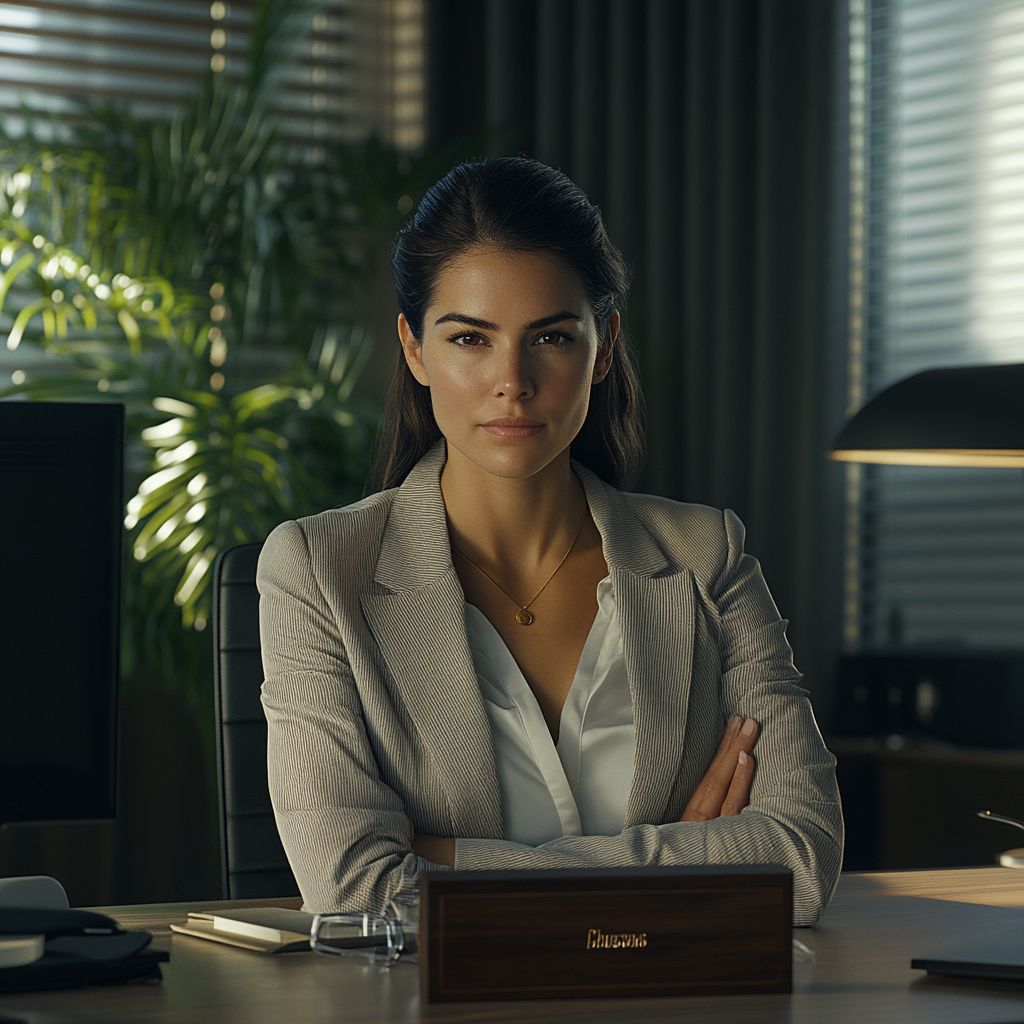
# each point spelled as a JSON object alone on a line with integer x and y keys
{"x": 416, "y": 616}
{"x": 655, "y": 602}
{"x": 657, "y": 620}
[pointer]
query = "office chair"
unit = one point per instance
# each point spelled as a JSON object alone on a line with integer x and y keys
{"x": 253, "y": 862}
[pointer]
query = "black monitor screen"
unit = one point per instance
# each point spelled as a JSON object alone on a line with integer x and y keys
{"x": 61, "y": 513}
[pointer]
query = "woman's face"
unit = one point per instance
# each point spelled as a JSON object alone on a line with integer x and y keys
{"x": 510, "y": 352}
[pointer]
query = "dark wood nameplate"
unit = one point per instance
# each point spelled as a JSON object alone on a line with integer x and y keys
{"x": 605, "y": 932}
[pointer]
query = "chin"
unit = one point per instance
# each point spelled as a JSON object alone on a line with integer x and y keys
{"x": 518, "y": 461}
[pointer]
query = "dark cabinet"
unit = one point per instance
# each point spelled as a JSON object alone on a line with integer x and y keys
{"x": 915, "y": 807}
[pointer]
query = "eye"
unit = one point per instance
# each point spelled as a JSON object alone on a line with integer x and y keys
{"x": 555, "y": 338}
{"x": 469, "y": 339}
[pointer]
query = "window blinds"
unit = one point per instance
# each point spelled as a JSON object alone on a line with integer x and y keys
{"x": 935, "y": 556}
{"x": 359, "y": 68}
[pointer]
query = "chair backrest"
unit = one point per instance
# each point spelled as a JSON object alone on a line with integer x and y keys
{"x": 253, "y": 862}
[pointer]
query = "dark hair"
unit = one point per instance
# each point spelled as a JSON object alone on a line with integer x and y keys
{"x": 522, "y": 206}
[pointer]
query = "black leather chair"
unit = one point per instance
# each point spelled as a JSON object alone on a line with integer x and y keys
{"x": 253, "y": 862}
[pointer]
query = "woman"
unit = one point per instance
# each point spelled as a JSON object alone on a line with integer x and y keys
{"x": 501, "y": 660}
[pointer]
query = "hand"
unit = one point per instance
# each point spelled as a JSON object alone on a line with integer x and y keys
{"x": 434, "y": 849}
{"x": 725, "y": 789}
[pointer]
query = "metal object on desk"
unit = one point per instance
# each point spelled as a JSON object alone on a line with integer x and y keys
{"x": 1008, "y": 858}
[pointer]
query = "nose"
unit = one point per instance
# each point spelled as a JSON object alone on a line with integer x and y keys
{"x": 512, "y": 379}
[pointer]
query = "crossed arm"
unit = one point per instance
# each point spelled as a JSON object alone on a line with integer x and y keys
{"x": 722, "y": 793}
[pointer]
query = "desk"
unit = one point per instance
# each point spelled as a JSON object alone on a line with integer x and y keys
{"x": 863, "y": 948}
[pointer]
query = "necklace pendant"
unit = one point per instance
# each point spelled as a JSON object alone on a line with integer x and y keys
{"x": 523, "y": 617}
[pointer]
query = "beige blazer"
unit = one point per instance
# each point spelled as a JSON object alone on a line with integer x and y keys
{"x": 375, "y": 716}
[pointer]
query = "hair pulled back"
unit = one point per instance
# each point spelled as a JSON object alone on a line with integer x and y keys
{"x": 517, "y": 205}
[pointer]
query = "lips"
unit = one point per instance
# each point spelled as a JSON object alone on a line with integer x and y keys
{"x": 513, "y": 428}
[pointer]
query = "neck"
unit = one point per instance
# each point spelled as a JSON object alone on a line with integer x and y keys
{"x": 515, "y": 523}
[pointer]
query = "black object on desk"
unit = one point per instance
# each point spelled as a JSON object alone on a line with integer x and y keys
{"x": 82, "y": 948}
{"x": 998, "y": 956}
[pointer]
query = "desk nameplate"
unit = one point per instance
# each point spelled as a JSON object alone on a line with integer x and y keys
{"x": 618, "y": 932}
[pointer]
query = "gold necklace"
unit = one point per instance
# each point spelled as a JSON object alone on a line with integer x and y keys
{"x": 524, "y": 616}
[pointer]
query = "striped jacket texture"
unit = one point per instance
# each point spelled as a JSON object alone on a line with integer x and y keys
{"x": 375, "y": 716}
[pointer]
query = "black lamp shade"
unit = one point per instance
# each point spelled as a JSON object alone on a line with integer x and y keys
{"x": 961, "y": 416}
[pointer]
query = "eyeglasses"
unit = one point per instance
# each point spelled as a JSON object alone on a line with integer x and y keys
{"x": 383, "y": 939}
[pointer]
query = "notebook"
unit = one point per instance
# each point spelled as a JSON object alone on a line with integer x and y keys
{"x": 263, "y": 929}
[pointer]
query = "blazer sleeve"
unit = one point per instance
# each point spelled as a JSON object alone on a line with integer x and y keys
{"x": 794, "y": 815}
{"x": 344, "y": 830}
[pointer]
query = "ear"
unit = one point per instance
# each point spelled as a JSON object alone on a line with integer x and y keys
{"x": 412, "y": 350}
{"x": 607, "y": 350}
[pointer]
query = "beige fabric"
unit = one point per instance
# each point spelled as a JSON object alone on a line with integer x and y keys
{"x": 374, "y": 710}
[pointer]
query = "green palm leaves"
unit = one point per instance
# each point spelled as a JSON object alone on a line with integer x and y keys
{"x": 227, "y": 470}
{"x": 65, "y": 293}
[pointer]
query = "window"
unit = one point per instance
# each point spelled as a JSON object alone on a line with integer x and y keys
{"x": 935, "y": 556}
{"x": 359, "y": 68}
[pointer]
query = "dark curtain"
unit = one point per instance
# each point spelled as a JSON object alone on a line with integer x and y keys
{"x": 712, "y": 134}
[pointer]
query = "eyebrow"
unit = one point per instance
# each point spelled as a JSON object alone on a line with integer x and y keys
{"x": 486, "y": 325}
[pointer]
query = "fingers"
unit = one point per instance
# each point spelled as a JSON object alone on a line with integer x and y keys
{"x": 739, "y": 789}
{"x": 706, "y": 802}
{"x": 732, "y": 727}
{"x": 724, "y": 760}
{"x": 747, "y": 737}
{"x": 741, "y": 734}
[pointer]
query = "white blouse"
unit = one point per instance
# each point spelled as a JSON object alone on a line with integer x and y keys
{"x": 581, "y": 786}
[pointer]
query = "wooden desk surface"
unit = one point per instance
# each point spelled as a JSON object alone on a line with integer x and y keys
{"x": 993, "y": 887}
{"x": 861, "y": 972}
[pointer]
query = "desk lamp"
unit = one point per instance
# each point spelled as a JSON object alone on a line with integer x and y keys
{"x": 960, "y": 416}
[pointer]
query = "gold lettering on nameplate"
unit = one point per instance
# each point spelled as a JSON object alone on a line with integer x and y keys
{"x": 597, "y": 939}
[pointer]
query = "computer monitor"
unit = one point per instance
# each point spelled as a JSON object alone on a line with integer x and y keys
{"x": 61, "y": 537}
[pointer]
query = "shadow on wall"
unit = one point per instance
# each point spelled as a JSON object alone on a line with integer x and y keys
{"x": 164, "y": 845}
